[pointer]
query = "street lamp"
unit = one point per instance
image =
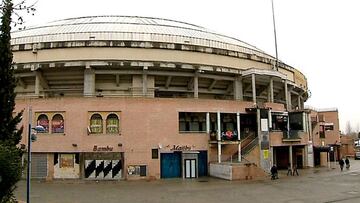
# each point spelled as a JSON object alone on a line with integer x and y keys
{"x": 31, "y": 138}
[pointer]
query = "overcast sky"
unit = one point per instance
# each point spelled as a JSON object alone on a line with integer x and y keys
{"x": 321, "y": 38}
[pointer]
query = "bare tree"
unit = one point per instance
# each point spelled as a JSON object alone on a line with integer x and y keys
{"x": 348, "y": 129}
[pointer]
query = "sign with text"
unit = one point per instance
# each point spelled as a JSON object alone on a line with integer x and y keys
{"x": 180, "y": 148}
{"x": 102, "y": 148}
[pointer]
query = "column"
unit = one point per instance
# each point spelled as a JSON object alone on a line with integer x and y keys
{"x": 144, "y": 81}
{"x": 219, "y": 136}
{"x": 289, "y": 99}
{"x": 37, "y": 85}
{"x": 253, "y": 87}
{"x": 238, "y": 88}
{"x": 196, "y": 86}
{"x": 89, "y": 82}
{"x": 271, "y": 91}
{"x": 286, "y": 95}
{"x": 291, "y": 157}
{"x": 208, "y": 123}
{"x": 238, "y": 131}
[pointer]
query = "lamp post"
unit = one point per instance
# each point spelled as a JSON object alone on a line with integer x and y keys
{"x": 31, "y": 138}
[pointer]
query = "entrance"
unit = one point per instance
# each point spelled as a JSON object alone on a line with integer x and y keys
{"x": 190, "y": 168}
{"x": 170, "y": 165}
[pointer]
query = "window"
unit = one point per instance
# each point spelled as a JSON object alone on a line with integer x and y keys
{"x": 192, "y": 122}
{"x": 57, "y": 124}
{"x": 112, "y": 124}
{"x": 296, "y": 121}
{"x": 137, "y": 170}
{"x": 154, "y": 153}
{"x": 44, "y": 122}
{"x": 279, "y": 122}
{"x": 328, "y": 126}
{"x": 96, "y": 123}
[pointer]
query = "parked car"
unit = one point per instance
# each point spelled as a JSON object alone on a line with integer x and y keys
{"x": 357, "y": 155}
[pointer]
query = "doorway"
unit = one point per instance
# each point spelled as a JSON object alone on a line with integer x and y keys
{"x": 190, "y": 168}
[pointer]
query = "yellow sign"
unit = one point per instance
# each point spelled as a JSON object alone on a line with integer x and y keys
{"x": 266, "y": 154}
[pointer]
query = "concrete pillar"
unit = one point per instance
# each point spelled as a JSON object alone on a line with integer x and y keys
{"x": 291, "y": 157}
{"x": 219, "y": 152}
{"x": 253, "y": 87}
{"x": 286, "y": 95}
{"x": 144, "y": 82}
{"x": 271, "y": 91}
{"x": 238, "y": 89}
{"x": 289, "y": 99}
{"x": 299, "y": 102}
{"x": 89, "y": 82}
{"x": 208, "y": 123}
{"x": 238, "y": 131}
{"x": 218, "y": 126}
{"x": 196, "y": 86}
{"x": 37, "y": 85}
{"x": 269, "y": 119}
{"x": 219, "y": 136}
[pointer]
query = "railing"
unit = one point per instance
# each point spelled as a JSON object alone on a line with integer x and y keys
{"x": 232, "y": 136}
{"x": 246, "y": 149}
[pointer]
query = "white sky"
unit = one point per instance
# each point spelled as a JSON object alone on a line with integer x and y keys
{"x": 321, "y": 38}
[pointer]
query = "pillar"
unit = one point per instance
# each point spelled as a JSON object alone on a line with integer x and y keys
{"x": 289, "y": 99}
{"x": 144, "y": 82}
{"x": 238, "y": 89}
{"x": 239, "y": 138}
{"x": 196, "y": 86}
{"x": 286, "y": 94}
{"x": 208, "y": 123}
{"x": 89, "y": 82}
{"x": 37, "y": 85}
{"x": 253, "y": 87}
{"x": 271, "y": 91}
{"x": 219, "y": 136}
{"x": 291, "y": 157}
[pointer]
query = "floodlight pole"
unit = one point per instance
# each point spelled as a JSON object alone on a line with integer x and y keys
{"x": 276, "y": 50}
{"x": 28, "y": 160}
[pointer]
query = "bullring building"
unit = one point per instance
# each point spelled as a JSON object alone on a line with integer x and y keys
{"x": 127, "y": 97}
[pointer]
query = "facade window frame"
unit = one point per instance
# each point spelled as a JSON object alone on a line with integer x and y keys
{"x": 50, "y": 126}
{"x": 112, "y": 128}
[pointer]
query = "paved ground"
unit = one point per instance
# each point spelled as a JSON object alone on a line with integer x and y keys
{"x": 313, "y": 185}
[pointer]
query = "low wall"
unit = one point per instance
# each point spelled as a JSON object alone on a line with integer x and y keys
{"x": 236, "y": 171}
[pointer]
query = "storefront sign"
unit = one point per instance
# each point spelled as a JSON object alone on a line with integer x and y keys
{"x": 102, "y": 148}
{"x": 180, "y": 148}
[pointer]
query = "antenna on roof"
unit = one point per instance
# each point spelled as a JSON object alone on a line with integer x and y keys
{"x": 276, "y": 51}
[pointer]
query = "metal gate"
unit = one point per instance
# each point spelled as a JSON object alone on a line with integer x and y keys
{"x": 170, "y": 165}
{"x": 39, "y": 165}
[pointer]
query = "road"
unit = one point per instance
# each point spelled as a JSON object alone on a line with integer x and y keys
{"x": 313, "y": 185}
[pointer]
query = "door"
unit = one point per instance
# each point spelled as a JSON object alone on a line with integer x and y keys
{"x": 170, "y": 165}
{"x": 203, "y": 163}
{"x": 190, "y": 168}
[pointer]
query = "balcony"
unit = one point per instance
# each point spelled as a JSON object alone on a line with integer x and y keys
{"x": 292, "y": 136}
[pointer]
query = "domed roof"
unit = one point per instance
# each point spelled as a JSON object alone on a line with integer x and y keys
{"x": 130, "y": 28}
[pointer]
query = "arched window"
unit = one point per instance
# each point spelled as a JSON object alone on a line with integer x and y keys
{"x": 57, "y": 124}
{"x": 44, "y": 122}
{"x": 96, "y": 123}
{"x": 112, "y": 124}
